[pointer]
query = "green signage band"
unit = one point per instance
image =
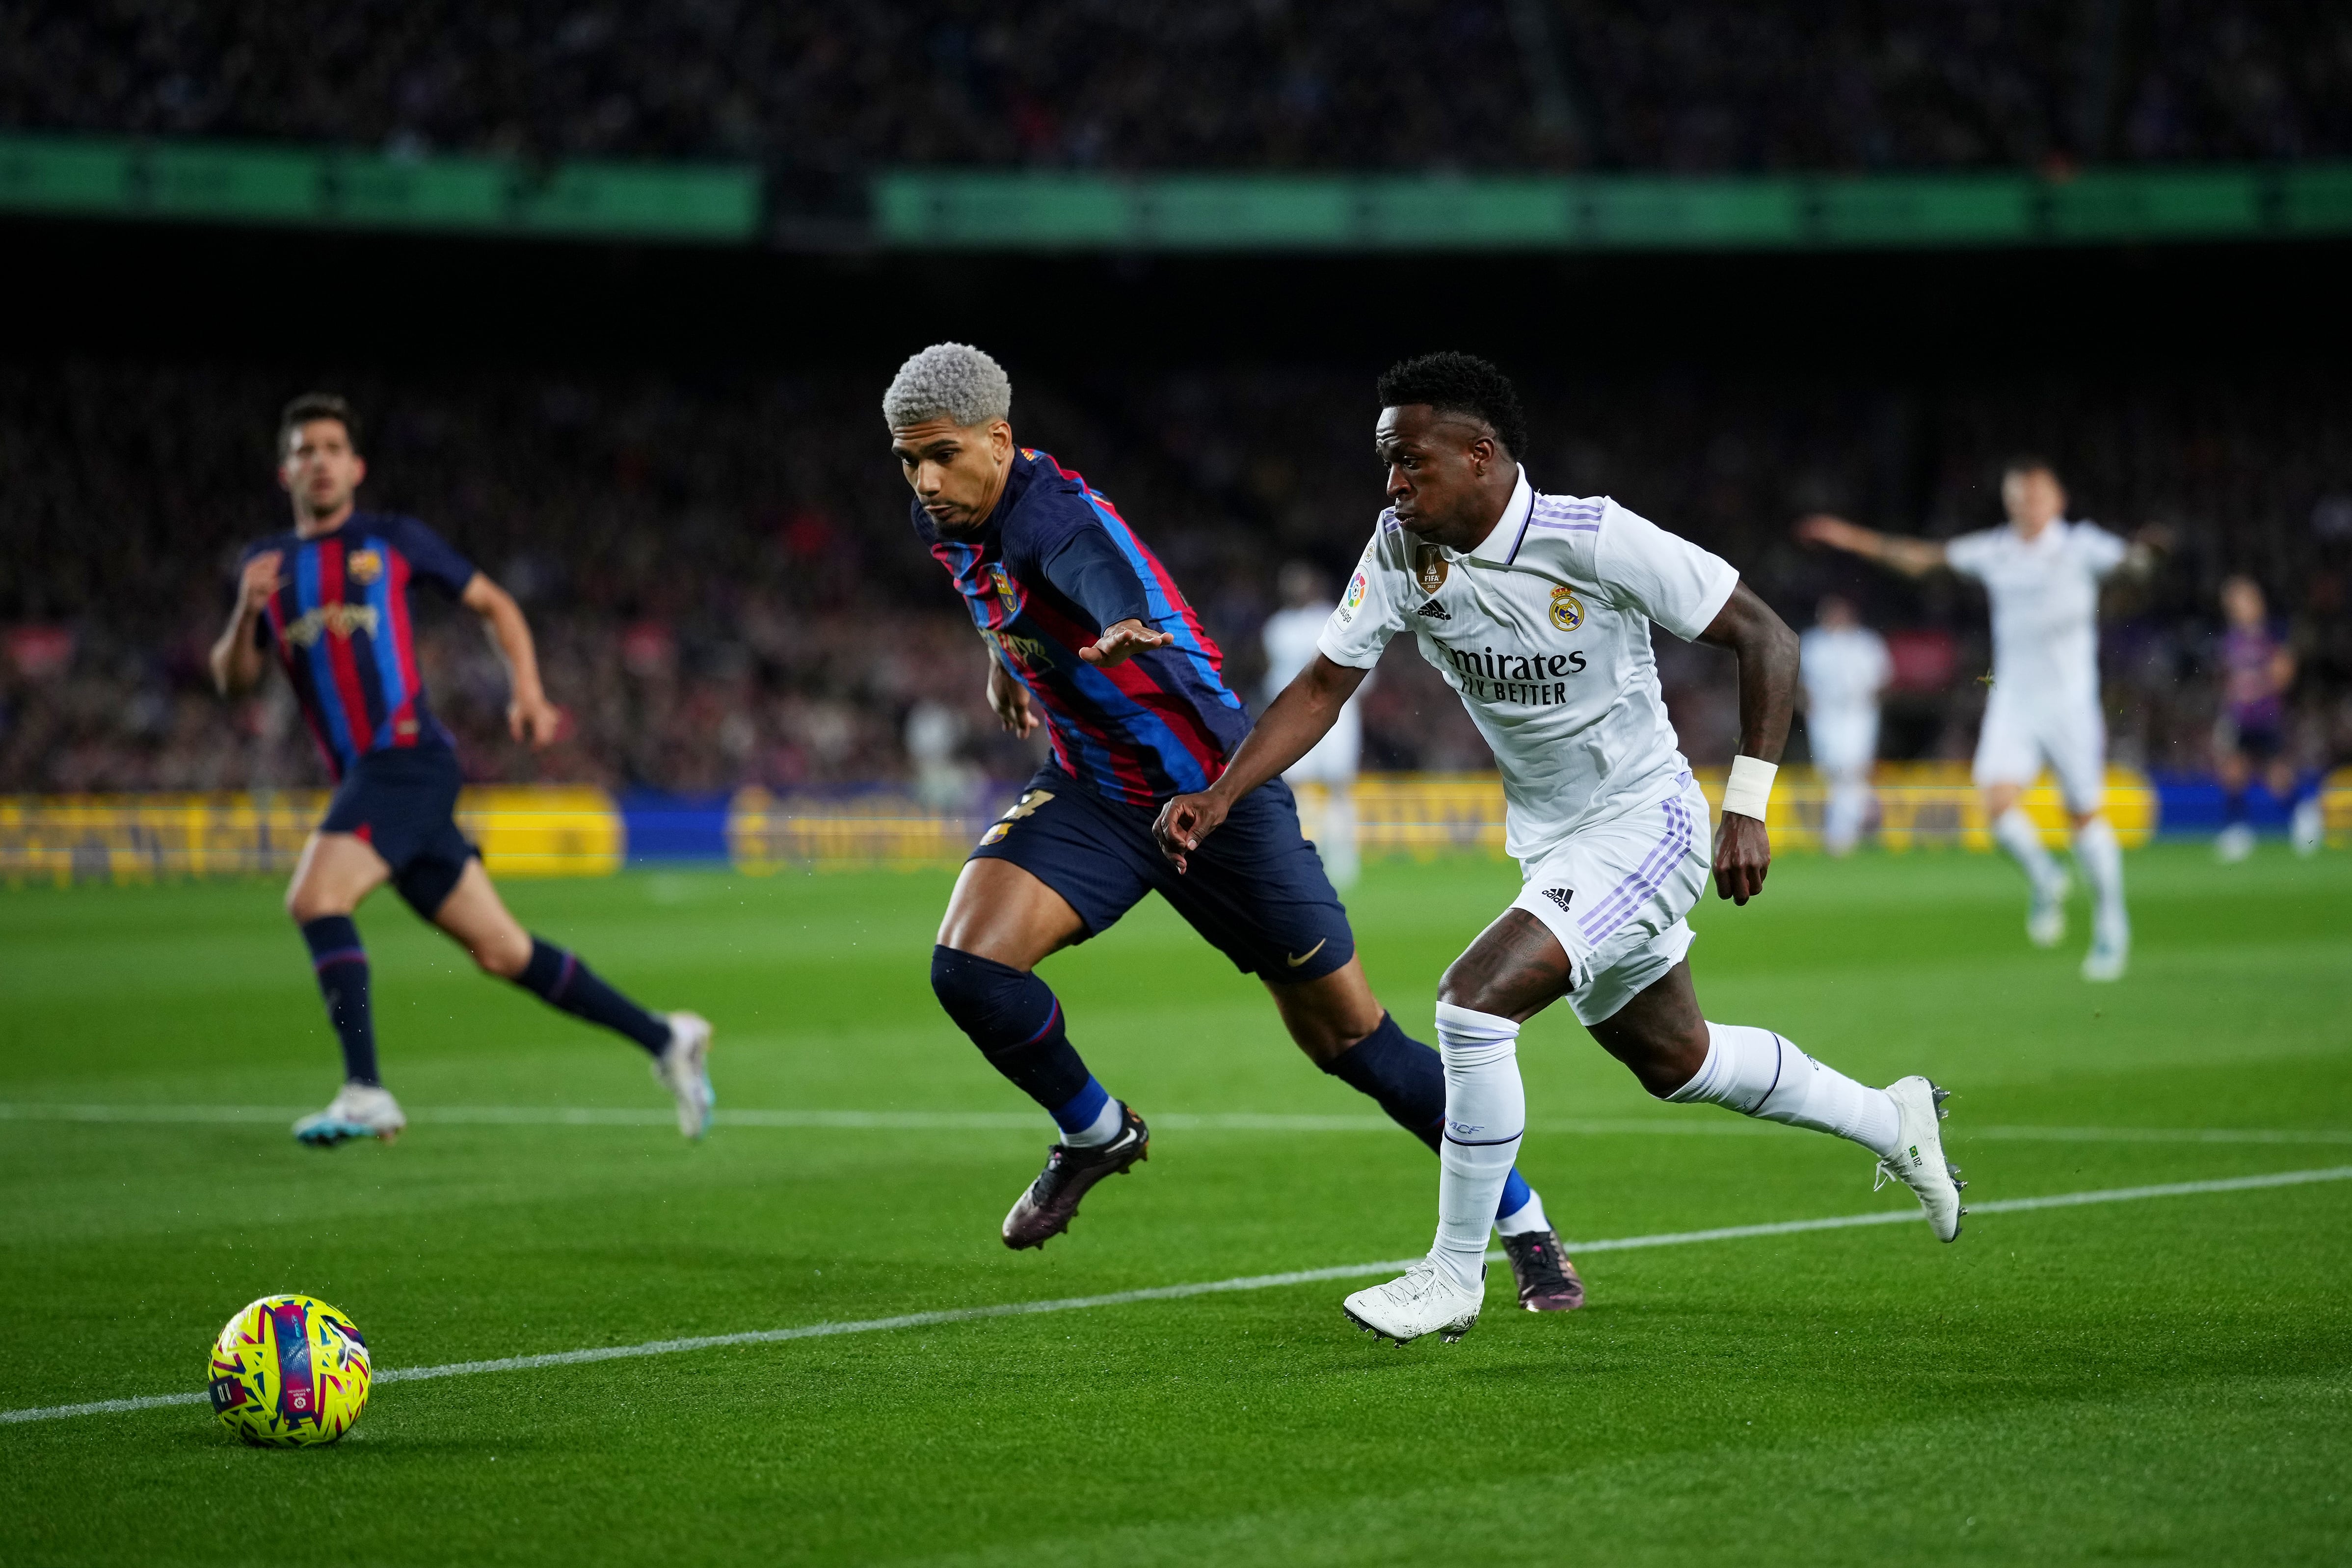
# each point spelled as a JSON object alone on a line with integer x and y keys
{"x": 206, "y": 182}
{"x": 225, "y": 182}
{"x": 1054, "y": 211}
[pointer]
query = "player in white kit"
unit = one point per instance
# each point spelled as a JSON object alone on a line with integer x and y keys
{"x": 1537, "y": 609}
{"x": 2042, "y": 575}
{"x": 1844, "y": 665}
{"x": 1289, "y": 636}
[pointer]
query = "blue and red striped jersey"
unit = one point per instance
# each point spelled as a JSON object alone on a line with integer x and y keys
{"x": 1162, "y": 723}
{"x": 341, "y": 629}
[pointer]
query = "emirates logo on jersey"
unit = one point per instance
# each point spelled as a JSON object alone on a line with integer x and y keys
{"x": 1429, "y": 568}
{"x": 1567, "y": 610}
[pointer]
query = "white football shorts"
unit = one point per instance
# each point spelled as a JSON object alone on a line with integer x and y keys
{"x": 2020, "y": 733}
{"x": 1334, "y": 758}
{"x": 1844, "y": 740}
{"x": 1615, "y": 895}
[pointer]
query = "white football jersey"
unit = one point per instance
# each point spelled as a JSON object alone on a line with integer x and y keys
{"x": 1844, "y": 669}
{"x": 1544, "y": 630}
{"x": 2045, "y": 606}
{"x": 1290, "y": 638}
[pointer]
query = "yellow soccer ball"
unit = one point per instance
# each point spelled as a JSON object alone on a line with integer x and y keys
{"x": 289, "y": 1372}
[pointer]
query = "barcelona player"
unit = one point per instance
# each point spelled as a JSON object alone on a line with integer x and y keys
{"x": 1088, "y": 633}
{"x": 332, "y": 597}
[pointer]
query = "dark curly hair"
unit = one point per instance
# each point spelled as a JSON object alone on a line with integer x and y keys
{"x": 1459, "y": 383}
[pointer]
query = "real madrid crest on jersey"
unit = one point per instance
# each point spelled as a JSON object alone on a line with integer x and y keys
{"x": 1429, "y": 568}
{"x": 1567, "y": 610}
{"x": 365, "y": 567}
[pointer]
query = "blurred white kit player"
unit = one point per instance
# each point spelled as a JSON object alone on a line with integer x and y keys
{"x": 1844, "y": 666}
{"x": 1290, "y": 633}
{"x": 2042, "y": 574}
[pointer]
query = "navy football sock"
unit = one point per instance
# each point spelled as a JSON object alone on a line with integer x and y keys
{"x": 561, "y": 981}
{"x": 1408, "y": 1079}
{"x": 1016, "y": 1021}
{"x": 341, "y": 966}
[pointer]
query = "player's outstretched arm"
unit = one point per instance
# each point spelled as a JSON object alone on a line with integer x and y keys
{"x": 1912, "y": 558}
{"x": 1303, "y": 715}
{"x": 236, "y": 662}
{"x": 1767, "y": 652}
{"x": 1009, "y": 700}
{"x": 529, "y": 715}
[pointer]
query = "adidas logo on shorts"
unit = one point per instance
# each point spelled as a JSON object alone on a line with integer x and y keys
{"x": 1434, "y": 611}
{"x": 1559, "y": 895}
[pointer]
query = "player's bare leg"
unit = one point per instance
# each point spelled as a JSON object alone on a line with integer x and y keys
{"x": 336, "y": 872}
{"x": 477, "y": 919}
{"x": 1001, "y": 922}
{"x": 2013, "y": 830}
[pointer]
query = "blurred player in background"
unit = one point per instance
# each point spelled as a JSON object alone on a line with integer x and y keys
{"x": 2042, "y": 575}
{"x": 2257, "y": 672}
{"x": 1290, "y": 633}
{"x": 1088, "y": 634}
{"x": 1537, "y": 610}
{"x": 1844, "y": 667}
{"x": 332, "y": 597}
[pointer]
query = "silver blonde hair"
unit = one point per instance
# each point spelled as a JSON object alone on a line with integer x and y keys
{"x": 948, "y": 381}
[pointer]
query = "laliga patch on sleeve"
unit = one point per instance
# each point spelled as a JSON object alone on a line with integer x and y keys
{"x": 1358, "y": 586}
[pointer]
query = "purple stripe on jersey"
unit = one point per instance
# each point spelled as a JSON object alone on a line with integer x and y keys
{"x": 1627, "y": 895}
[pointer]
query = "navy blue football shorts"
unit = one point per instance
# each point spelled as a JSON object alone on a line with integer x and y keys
{"x": 1256, "y": 890}
{"x": 404, "y": 802}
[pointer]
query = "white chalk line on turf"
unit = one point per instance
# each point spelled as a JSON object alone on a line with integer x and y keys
{"x": 1172, "y": 1121}
{"x": 1213, "y": 1287}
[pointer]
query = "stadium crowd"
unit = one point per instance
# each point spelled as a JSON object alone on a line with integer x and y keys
{"x": 726, "y": 592}
{"x": 821, "y": 94}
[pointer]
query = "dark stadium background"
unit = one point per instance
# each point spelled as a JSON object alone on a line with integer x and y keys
{"x": 673, "y": 450}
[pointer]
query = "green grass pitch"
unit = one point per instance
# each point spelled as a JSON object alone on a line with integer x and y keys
{"x": 2165, "y": 1380}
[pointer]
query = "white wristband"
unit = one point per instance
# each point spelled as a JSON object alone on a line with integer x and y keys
{"x": 1749, "y": 788}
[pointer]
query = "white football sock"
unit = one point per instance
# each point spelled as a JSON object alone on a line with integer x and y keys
{"x": 1529, "y": 1215}
{"x": 2101, "y": 860}
{"x": 1843, "y": 813}
{"x": 1756, "y": 1074}
{"x": 1485, "y": 1112}
{"x": 1101, "y": 1130}
{"x": 2014, "y": 831}
{"x": 1338, "y": 838}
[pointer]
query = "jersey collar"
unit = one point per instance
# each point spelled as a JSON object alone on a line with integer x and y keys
{"x": 1502, "y": 544}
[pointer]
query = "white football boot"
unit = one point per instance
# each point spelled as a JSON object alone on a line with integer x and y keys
{"x": 2110, "y": 952}
{"x": 683, "y": 1069}
{"x": 2308, "y": 829}
{"x": 359, "y": 1110}
{"x": 1919, "y": 1163}
{"x": 1425, "y": 1300}
{"x": 2045, "y": 917}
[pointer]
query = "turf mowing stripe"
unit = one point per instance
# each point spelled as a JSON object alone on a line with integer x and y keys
{"x": 1211, "y": 1288}
{"x": 1174, "y": 1120}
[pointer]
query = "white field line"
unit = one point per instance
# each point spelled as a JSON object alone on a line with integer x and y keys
{"x": 1174, "y": 1120}
{"x": 1212, "y": 1288}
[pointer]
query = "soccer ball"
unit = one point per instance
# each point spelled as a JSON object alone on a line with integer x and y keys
{"x": 289, "y": 1372}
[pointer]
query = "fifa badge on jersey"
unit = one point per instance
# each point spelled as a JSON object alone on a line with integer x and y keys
{"x": 1358, "y": 586}
{"x": 365, "y": 567}
{"x": 1429, "y": 568}
{"x": 1567, "y": 610}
